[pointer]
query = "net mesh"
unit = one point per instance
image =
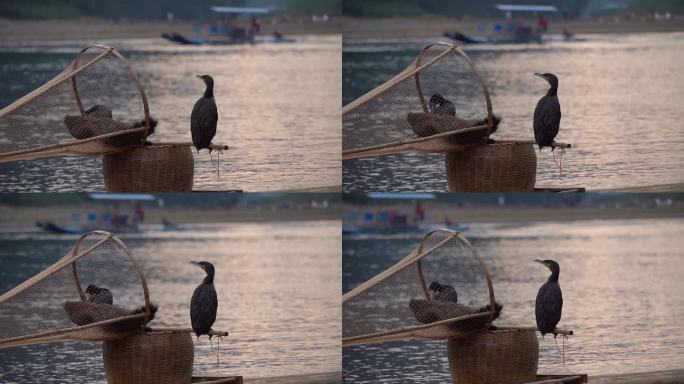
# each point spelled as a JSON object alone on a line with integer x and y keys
{"x": 95, "y": 292}
{"x": 96, "y": 105}
{"x": 440, "y": 93}
{"x": 403, "y": 301}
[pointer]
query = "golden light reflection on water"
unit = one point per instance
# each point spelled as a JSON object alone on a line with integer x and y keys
{"x": 622, "y": 296}
{"x": 620, "y": 98}
{"x": 279, "y": 111}
{"x": 278, "y": 287}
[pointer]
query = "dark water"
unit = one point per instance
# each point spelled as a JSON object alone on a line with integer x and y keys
{"x": 279, "y": 110}
{"x": 622, "y": 295}
{"x": 620, "y": 98}
{"x": 278, "y": 288}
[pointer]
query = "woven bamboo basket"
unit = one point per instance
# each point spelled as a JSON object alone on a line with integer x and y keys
{"x": 152, "y": 168}
{"x": 495, "y": 357}
{"x": 150, "y": 357}
{"x": 505, "y": 166}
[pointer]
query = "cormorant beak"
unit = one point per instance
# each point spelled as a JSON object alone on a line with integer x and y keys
{"x": 197, "y": 264}
{"x": 542, "y": 76}
{"x": 541, "y": 262}
{"x": 198, "y": 76}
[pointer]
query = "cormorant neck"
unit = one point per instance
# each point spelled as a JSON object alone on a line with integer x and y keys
{"x": 209, "y": 92}
{"x": 553, "y": 91}
{"x": 209, "y": 278}
{"x": 554, "y": 276}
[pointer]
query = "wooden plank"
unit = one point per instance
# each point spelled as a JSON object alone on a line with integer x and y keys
{"x": 559, "y": 189}
{"x": 217, "y": 380}
{"x": 565, "y": 379}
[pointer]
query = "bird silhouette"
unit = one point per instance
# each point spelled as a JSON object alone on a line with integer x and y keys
{"x": 441, "y": 106}
{"x": 443, "y": 292}
{"x": 549, "y": 304}
{"x": 204, "y": 302}
{"x": 204, "y": 116}
{"x": 99, "y": 295}
{"x": 547, "y": 113}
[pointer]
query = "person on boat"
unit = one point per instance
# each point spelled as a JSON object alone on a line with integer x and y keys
{"x": 420, "y": 212}
{"x": 139, "y": 214}
{"x": 277, "y": 35}
{"x": 543, "y": 24}
{"x": 255, "y": 27}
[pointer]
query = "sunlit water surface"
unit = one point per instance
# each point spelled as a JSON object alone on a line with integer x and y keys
{"x": 620, "y": 98}
{"x": 622, "y": 296}
{"x": 279, "y": 110}
{"x": 278, "y": 287}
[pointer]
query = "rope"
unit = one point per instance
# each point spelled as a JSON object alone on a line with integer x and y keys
{"x": 559, "y": 164}
{"x": 218, "y": 162}
{"x": 562, "y": 352}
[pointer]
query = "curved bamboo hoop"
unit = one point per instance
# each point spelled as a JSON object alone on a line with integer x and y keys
{"x": 421, "y": 331}
{"x": 69, "y": 261}
{"x": 134, "y": 76}
{"x": 119, "y": 244}
{"x": 455, "y": 48}
{"x": 414, "y": 70}
{"x": 76, "y": 147}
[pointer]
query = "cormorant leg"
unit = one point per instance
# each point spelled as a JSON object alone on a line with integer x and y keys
{"x": 211, "y": 158}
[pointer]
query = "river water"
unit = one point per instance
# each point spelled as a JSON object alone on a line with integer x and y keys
{"x": 279, "y": 110}
{"x": 622, "y": 296}
{"x": 277, "y": 284}
{"x": 620, "y": 98}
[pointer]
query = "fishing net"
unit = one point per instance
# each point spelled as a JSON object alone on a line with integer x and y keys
{"x": 409, "y": 300}
{"x": 438, "y": 104}
{"x": 95, "y": 292}
{"x": 96, "y": 105}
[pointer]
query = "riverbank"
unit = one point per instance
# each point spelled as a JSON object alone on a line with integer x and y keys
{"x": 25, "y": 217}
{"x": 94, "y": 29}
{"x": 434, "y": 26}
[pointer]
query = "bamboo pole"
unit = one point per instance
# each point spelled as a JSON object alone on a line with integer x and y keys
{"x": 63, "y": 333}
{"x": 413, "y": 331}
{"x": 352, "y": 152}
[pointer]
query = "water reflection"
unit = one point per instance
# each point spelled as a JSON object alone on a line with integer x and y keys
{"x": 279, "y": 110}
{"x": 619, "y": 96}
{"x": 278, "y": 289}
{"x": 621, "y": 294}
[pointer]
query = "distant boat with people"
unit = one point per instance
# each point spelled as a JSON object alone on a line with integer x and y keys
{"x": 393, "y": 220}
{"x": 516, "y": 27}
{"x": 229, "y": 31}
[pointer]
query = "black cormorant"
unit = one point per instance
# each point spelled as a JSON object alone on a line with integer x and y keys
{"x": 443, "y": 292}
{"x": 204, "y": 302}
{"x": 547, "y": 114}
{"x": 441, "y": 106}
{"x": 204, "y": 116}
{"x": 99, "y": 295}
{"x": 549, "y": 300}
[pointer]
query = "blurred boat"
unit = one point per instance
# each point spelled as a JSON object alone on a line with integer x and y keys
{"x": 50, "y": 226}
{"x": 229, "y": 32}
{"x": 395, "y": 219}
{"x": 514, "y": 28}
